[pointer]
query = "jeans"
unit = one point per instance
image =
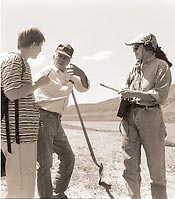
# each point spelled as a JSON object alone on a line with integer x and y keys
{"x": 20, "y": 169}
{"x": 144, "y": 127}
{"x": 52, "y": 139}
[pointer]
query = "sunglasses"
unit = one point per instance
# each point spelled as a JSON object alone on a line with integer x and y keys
{"x": 136, "y": 46}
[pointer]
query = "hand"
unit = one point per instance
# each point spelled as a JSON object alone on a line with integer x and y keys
{"x": 74, "y": 70}
{"x": 127, "y": 93}
{"x": 42, "y": 81}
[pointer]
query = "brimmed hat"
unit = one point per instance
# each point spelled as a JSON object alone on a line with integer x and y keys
{"x": 144, "y": 39}
{"x": 65, "y": 49}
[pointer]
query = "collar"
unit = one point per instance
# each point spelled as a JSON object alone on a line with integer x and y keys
{"x": 149, "y": 59}
{"x": 56, "y": 69}
{"x": 60, "y": 71}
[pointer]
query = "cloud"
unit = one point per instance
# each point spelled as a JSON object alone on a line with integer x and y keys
{"x": 99, "y": 56}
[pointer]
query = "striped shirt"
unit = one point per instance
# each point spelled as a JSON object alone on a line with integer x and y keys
{"x": 13, "y": 76}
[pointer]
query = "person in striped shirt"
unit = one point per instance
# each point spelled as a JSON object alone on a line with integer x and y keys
{"x": 16, "y": 81}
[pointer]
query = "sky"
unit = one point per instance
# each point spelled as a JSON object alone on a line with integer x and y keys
{"x": 97, "y": 30}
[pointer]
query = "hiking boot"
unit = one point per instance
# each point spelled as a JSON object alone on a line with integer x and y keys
{"x": 58, "y": 197}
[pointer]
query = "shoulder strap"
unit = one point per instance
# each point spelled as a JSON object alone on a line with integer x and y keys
{"x": 17, "y": 121}
{"x": 7, "y": 125}
{"x": 17, "y": 107}
{"x": 16, "y": 115}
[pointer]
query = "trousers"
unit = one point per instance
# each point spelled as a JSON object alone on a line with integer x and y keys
{"x": 144, "y": 127}
{"x": 52, "y": 139}
{"x": 20, "y": 169}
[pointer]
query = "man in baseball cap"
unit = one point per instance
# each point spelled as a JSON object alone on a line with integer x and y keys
{"x": 53, "y": 101}
{"x": 65, "y": 49}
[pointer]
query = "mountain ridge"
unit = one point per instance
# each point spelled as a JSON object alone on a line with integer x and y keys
{"x": 107, "y": 110}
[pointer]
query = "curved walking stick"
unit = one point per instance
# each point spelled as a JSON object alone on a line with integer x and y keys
{"x": 100, "y": 166}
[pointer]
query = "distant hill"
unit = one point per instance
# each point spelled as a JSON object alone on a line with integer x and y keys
{"x": 107, "y": 110}
{"x": 169, "y": 107}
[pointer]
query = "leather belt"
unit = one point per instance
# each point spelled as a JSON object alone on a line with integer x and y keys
{"x": 144, "y": 106}
{"x": 55, "y": 114}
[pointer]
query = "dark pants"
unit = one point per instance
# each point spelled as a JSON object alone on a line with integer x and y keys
{"x": 53, "y": 139}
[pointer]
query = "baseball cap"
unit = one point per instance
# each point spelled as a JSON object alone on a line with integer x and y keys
{"x": 65, "y": 49}
{"x": 143, "y": 39}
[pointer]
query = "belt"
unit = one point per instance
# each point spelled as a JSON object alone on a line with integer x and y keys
{"x": 144, "y": 106}
{"x": 55, "y": 114}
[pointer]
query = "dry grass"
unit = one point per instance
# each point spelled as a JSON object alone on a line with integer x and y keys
{"x": 107, "y": 148}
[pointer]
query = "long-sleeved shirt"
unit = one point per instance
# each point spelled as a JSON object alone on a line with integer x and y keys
{"x": 152, "y": 76}
{"x": 59, "y": 87}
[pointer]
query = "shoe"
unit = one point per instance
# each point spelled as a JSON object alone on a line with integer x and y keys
{"x": 58, "y": 197}
{"x": 64, "y": 197}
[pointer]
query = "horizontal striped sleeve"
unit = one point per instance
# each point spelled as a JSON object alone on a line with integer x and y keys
{"x": 11, "y": 73}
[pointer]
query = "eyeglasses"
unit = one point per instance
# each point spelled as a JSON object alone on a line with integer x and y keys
{"x": 59, "y": 55}
{"x": 136, "y": 46}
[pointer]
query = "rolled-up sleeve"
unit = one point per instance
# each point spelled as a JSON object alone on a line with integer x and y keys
{"x": 78, "y": 84}
{"x": 162, "y": 84}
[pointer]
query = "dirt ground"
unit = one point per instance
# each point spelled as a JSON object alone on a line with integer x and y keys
{"x": 107, "y": 148}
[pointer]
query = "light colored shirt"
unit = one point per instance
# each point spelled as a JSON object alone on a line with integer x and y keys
{"x": 152, "y": 76}
{"x": 55, "y": 95}
{"x": 13, "y": 77}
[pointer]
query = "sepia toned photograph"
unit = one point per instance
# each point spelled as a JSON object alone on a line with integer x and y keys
{"x": 87, "y": 99}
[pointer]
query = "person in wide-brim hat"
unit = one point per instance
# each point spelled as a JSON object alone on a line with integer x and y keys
{"x": 142, "y": 125}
